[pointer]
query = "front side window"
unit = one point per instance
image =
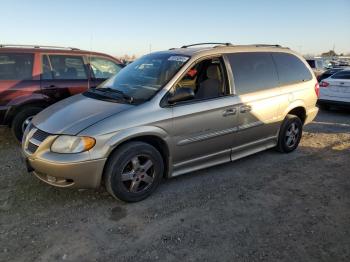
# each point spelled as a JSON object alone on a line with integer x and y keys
{"x": 290, "y": 69}
{"x": 68, "y": 67}
{"x": 14, "y": 66}
{"x": 253, "y": 72}
{"x": 341, "y": 75}
{"x": 103, "y": 68}
{"x": 207, "y": 79}
{"x": 143, "y": 78}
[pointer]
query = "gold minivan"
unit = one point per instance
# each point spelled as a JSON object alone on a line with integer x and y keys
{"x": 173, "y": 112}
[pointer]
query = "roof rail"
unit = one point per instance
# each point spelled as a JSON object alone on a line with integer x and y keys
{"x": 266, "y": 45}
{"x": 39, "y": 46}
{"x": 225, "y": 44}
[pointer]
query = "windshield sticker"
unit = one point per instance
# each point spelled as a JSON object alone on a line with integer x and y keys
{"x": 178, "y": 58}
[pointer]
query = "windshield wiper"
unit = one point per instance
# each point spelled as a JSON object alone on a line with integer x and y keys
{"x": 126, "y": 97}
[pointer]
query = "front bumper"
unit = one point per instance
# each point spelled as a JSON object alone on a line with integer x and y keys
{"x": 60, "y": 170}
{"x": 86, "y": 174}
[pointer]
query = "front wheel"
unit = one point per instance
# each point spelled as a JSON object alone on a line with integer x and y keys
{"x": 290, "y": 134}
{"x": 22, "y": 120}
{"x": 133, "y": 171}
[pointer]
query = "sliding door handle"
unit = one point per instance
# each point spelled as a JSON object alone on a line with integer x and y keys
{"x": 230, "y": 111}
{"x": 245, "y": 109}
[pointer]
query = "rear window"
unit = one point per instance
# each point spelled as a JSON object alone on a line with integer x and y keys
{"x": 290, "y": 69}
{"x": 16, "y": 66}
{"x": 341, "y": 75}
{"x": 253, "y": 72}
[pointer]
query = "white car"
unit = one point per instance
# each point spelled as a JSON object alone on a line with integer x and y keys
{"x": 335, "y": 90}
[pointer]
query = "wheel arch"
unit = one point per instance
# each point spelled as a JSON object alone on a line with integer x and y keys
{"x": 15, "y": 109}
{"x": 297, "y": 108}
{"x": 158, "y": 140}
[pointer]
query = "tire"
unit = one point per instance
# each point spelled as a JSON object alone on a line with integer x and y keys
{"x": 18, "y": 122}
{"x": 290, "y": 134}
{"x": 129, "y": 175}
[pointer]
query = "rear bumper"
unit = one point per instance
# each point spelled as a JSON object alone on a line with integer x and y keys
{"x": 333, "y": 102}
{"x": 311, "y": 114}
{"x": 86, "y": 174}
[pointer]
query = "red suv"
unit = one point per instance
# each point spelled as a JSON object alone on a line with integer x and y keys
{"x": 34, "y": 77}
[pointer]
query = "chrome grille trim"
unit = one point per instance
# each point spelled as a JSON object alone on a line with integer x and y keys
{"x": 34, "y": 139}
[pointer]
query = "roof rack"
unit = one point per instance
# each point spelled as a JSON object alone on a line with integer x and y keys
{"x": 266, "y": 45}
{"x": 225, "y": 44}
{"x": 39, "y": 46}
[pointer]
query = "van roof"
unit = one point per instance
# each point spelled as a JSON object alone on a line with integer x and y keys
{"x": 195, "y": 49}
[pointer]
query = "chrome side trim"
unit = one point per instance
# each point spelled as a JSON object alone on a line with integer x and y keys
{"x": 211, "y": 135}
{"x": 250, "y": 125}
{"x": 190, "y": 140}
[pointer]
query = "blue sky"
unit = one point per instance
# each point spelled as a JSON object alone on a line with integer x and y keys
{"x": 130, "y": 27}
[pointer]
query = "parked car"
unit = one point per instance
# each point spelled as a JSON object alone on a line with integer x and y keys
{"x": 34, "y": 77}
{"x": 329, "y": 73}
{"x": 317, "y": 66}
{"x": 335, "y": 90}
{"x": 170, "y": 113}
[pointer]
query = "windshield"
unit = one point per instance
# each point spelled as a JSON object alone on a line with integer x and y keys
{"x": 143, "y": 78}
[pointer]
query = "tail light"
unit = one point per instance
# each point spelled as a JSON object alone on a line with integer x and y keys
{"x": 317, "y": 90}
{"x": 324, "y": 84}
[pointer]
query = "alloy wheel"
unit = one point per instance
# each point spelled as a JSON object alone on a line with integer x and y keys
{"x": 292, "y": 135}
{"x": 138, "y": 174}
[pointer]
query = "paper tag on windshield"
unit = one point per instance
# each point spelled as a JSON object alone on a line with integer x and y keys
{"x": 178, "y": 58}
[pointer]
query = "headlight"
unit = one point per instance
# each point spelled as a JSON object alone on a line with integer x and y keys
{"x": 72, "y": 144}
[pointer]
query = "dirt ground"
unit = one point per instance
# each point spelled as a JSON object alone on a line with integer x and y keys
{"x": 266, "y": 207}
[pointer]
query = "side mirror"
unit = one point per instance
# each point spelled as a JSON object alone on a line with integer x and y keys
{"x": 181, "y": 94}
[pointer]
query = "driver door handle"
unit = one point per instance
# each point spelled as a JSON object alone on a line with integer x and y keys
{"x": 50, "y": 87}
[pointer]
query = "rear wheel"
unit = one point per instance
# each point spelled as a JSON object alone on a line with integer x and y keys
{"x": 22, "y": 120}
{"x": 290, "y": 134}
{"x": 134, "y": 171}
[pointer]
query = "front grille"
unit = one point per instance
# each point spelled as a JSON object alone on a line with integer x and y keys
{"x": 40, "y": 135}
{"x": 36, "y": 139}
{"x": 32, "y": 148}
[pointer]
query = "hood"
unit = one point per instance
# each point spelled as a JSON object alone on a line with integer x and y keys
{"x": 74, "y": 114}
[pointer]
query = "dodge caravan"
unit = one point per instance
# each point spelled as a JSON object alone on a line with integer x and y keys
{"x": 170, "y": 113}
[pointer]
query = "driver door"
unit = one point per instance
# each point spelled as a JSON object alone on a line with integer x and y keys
{"x": 204, "y": 128}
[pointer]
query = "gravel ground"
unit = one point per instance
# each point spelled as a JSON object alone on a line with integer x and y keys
{"x": 266, "y": 207}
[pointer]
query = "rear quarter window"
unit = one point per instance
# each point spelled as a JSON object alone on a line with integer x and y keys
{"x": 14, "y": 66}
{"x": 290, "y": 69}
{"x": 253, "y": 72}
